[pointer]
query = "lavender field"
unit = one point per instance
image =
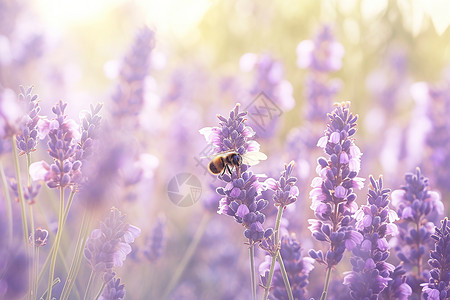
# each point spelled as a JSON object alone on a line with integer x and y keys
{"x": 224, "y": 149}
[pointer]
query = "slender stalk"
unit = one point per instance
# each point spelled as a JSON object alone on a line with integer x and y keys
{"x": 20, "y": 192}
{"x": 55, "y": 282}
{"x": 285, "y": 277}
{"x": 187, "y": 256}
{"x": 274, "y": 255}
{"x": 92, "y": 278}
{"x": 327, "y": 281}
{"x": 57, "y": 240}
{"x": 75, "y": 266}
{"x": 33, "y": 279}
{"x": 8, "y": 203}
{"x": 66, "y": 212}
{"x": 252, "y": 269}
{"x": 36, "y": 268}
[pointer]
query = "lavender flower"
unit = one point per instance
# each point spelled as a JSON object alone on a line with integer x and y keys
{"x": 333, "y": 200}
{"x": 90, "y": 123}
{"x": 129, "y": 95}
{"x": 113, "y": 290}
{"x": 438, "y": 286}
{"x": 108, "y": 246}
{"x": 27, "y": 140}
{"x": 241, "y": 193}
{"x": 30, "y": 192}
{"x": 416, "y": 205}
{"x": 40, "y": 237}
{"x": 156, "y": 242}
{"x": 285, "y": 190}
{"x": 397, "y": 287}
{"x": 321, "y": 56}
{"x": 63, "y": 133}
{"x": 297, "y": 268}
{"x": 371, "y": 272}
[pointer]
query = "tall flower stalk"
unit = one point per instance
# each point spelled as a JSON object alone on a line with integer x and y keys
{"x": 370, "y": 274}
{"x": 438, "y": 286}
{"x": 333, "y": 200}
{"x": 240, "y": 196}
{"x": 417, "y": 207}
{"x": 285, "y": 193}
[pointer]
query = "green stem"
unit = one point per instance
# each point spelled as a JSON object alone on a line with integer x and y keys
{"x": 187, "y": 255}
{"x": 66, "y": 212}
{"x": 274, "y": 255}
{"x": 57, "y": 240}
{"x": 89, "y": 284}
{"x": 33, "y": 279}
{"x": 36, "y": 268}
{"x": 252, "y": 269}
{"x": 75, "y": 266}
{"x": 327, "y": 281}
{"x": 20, "y": 191}
{"x": 8, "y": 203}
{"x": 55, "y": 282}
{"x": 285, "y": 277}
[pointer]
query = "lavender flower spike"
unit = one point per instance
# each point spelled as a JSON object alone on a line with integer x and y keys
{"x": 113, "y": 290}
{"x": 285, "y": 190}
{"x": 156, "y": 243}
{"x": 438, "y": 286}
{"x": 371, "y": 272}
{"x": 107, "y": 247}
{"x": 417, "y": 207}
{"x": 241, "y": 193}
{"x": 28, "y": 138}
{"x": 333, "y": 200}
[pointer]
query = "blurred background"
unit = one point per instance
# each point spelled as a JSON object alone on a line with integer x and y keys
{"x": 192, "y": 60}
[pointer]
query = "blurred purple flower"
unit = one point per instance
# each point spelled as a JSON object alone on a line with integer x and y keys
{"x": 323, "y": 54}
{"x": 30, "y": 192}
{"x": 129, "y": 95}
{"x": 90, "y": 123}
{"x": 438, "y": 286}
{"x": 40, "y": 237}
{"x": 333, "y": 200}
{"x": 370, "y": 274}
{"x": 11, "y": 114}
{"x": 107, "y": 247}
{"x": 113, "y": 290}
{"x": 416, "y": 206}
{"x": 157, "y": 241}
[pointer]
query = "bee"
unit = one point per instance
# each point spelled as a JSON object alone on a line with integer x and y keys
{"x": 226, "y": 161}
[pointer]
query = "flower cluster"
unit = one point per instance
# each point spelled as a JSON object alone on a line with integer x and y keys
{"x": 30, "y": 192}
{"x": 156, "y": 242}
{"x": 129, "y": 94}
{"x": 27, "y": 139}
{"x": 63, "y": 136}
{"x": 113, "y": 290}
{"x": 321, "y": 56}
{"x": 108, "y": 246}
{"x": 416, "y": 206}
{"x": 370, "y": 273}
{"x": 333, "y": 200}
{"x": 241, "y": 193}
{"x": 90, "y": 123}
{"x": 285, "y": 190}
{"x": 397, "y": 287}
{"x": 438, "y": 286}
{"x": 297, "y": 269}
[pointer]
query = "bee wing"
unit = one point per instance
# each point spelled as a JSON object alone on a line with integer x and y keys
{"x": 253, "y": 158}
